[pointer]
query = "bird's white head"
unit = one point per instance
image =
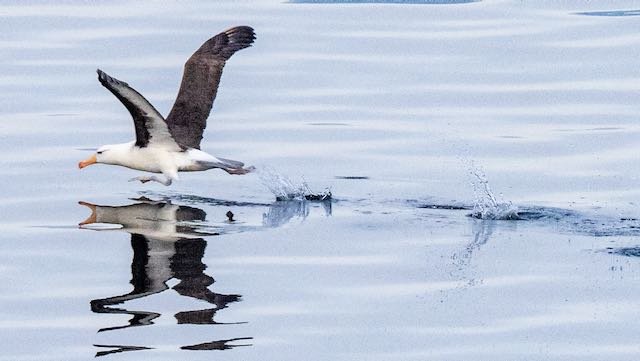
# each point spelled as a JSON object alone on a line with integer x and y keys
{"x": 107, "y": 154}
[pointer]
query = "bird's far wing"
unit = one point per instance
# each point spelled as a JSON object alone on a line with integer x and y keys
{"x": 149, "y": 125}
{"x": 199, "y": 86}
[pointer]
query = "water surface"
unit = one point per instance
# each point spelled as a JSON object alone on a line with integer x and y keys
{"x": 481, "y": 157}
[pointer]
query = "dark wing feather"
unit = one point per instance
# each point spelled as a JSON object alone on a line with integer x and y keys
{"x": 199, "y": 86}
{"x": 148, "y": 123}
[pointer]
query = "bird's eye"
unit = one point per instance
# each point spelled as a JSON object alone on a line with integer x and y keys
{"x": 100, "y": 152}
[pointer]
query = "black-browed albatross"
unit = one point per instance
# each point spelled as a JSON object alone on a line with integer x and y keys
{"x": 171, "y": 145}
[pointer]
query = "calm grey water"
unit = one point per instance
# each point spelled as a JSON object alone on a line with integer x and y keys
{"x": 413, "y": 115}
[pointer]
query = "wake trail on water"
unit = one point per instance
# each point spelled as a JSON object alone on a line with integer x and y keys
{"x": 487, "y": 206}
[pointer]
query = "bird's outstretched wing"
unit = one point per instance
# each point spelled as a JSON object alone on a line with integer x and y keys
{"x": 149, "y": 125}
{"x": 199, "y": 86}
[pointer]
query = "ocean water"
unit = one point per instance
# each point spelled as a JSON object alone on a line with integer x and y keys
{"x": 482, "y": 161}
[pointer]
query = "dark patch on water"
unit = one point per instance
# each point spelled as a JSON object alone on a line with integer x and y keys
{"x": 530, "y": 214}
{"x": 321, "y": 197}
{"x": 353, "y": 177}
{"x": 445, "y": 206}
{"x": 426, "y": 2}
{"x": 625, "y": 251}
{"x": 611, "y": 13}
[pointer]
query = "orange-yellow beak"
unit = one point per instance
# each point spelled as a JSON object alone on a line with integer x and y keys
{"x": 93, "y": 217}
{"x": 87, "y": 162}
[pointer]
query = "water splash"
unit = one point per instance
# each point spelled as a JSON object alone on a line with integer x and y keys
{"x": 285, "y": 189}
{"x": 486, "y": 205}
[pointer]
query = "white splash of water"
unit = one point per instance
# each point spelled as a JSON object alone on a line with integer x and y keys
{"x": 284, "y": 188}
{"x": 486, "y": 205}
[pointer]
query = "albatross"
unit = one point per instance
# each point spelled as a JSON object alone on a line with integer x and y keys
{"x": 172, "y": 145}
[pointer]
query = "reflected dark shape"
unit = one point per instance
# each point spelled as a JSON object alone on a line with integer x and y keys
{"x": 217, "y": 345}
{"x": 119, "y": 349}
{"x": 202, "y": 317}
{"x": 166, "y": 245}
{"x": 154, "y": 264}
{"x": 161, "y": 221}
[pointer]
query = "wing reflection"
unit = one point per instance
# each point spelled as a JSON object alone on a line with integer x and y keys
{"x": 218, "y": 345}
{"x": 154, "y": 264}
{"x": 119, "y": 349}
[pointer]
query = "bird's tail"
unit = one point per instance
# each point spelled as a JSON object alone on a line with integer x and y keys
{"x": 228, "y": 165}
{"x": 235, "y": 167}
{"x": 239, "y": 171}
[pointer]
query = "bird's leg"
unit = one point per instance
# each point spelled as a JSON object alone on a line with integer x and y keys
{"x": 167, "y": 181}
{"x": 144, "y": 179}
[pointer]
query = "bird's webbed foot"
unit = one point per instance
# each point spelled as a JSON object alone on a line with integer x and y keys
{"x": 145, "y": 179}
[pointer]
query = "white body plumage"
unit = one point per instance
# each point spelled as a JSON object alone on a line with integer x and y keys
{"x": 160, "y": 159}
{"x": 157, "y": 158}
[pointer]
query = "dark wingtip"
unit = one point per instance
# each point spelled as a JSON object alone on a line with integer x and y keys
{"x": 102, "y": 76}
{"x": 239, "y": 37}
{"x": 106, "y": 78}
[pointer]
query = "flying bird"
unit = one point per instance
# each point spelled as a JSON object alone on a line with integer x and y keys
{"x": 172, "y": 145}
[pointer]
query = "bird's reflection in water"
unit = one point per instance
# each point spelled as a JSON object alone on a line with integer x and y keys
{"x": 168, "y": 244}
{"x": 165, "y": 247}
